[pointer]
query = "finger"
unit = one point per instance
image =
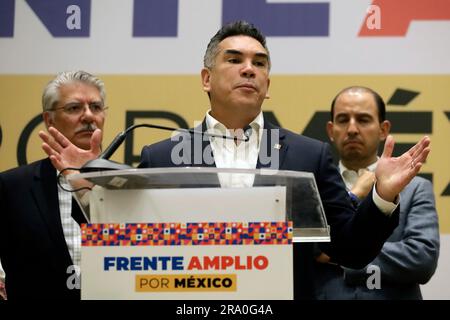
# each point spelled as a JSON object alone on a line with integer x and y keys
{"x": 46, "y": 137}
{"x": 414, "y": 149}
{"x": 96, "y": 141}
{"x": 48, "y": 150}
{"x": 420, "y": 147}
{"x": 50, "y": 140}
{"x": 422, "y": 158}
{"x": 43, "y": 135}
{"x": 388, "y": 147}
{"x": 56, "y": 162}
{"x": 414, "y": 170}
{"x": 59, "y": 137}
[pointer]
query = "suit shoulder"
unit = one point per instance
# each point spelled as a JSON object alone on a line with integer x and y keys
{"x": 417, "y": 189}
{"x": 21, "y": 171}
{"x": 306, "y": 142}
{"x": 159, "y": 154}
{"x": 166, "y": 144}
{"x": 419, "y": 182}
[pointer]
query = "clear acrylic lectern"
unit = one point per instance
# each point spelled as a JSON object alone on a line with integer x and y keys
{"x": 199, "y": 194}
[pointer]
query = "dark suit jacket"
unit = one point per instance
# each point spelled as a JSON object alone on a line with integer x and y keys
{"x": 355, "y": 238}
{"x": 33, "y": 250}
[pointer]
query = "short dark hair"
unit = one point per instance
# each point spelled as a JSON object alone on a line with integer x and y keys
{"x": 236, "y": 28}
{"x": 381, "y": 106}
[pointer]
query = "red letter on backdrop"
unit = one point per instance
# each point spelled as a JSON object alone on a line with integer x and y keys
{"x": 397, "y": 15}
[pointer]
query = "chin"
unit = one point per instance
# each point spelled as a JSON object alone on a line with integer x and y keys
{"x": 249, "y": 104}
{"x": 85, "y": 145}
{"x": 352, "y": 154}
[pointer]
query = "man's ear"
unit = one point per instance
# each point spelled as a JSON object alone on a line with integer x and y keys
{"x": 48, "y": 119}
{"x": 206, "y": 79}
{"x": 267, "y": 92}
{"x": 385, "y": 128}
{"x": 330, "y": 130}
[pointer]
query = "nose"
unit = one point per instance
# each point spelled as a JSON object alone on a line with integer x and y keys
{"x": 248, "y": 70}
{"x": 87, "y": 115}
{"x": 352, "y": 128}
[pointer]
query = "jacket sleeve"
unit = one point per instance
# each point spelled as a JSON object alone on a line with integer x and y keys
{"x": 413, "y": 258}
{"x": 356, "y": 237}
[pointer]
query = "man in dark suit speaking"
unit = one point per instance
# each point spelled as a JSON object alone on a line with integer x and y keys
{"x": 40, "y": 239}
{"x": 236, "y": 78}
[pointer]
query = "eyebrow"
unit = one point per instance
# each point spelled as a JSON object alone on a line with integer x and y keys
{"x": 362, "y": 114}
{"x": 237, "y": 52}
{"x": 75, "y": 103}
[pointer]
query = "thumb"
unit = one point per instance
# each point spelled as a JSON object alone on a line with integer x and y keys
{"x": 388, "y": 147}
{"x": 96, "y": 141}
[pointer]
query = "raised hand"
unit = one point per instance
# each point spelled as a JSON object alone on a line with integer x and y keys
{"x": 394, "y": 173}
{"x": 64, "y": 154}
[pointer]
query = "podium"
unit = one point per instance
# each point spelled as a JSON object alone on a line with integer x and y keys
{"x": 195, "y": 232}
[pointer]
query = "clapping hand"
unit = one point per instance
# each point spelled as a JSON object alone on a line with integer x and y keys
{"x": 394, "y": 173}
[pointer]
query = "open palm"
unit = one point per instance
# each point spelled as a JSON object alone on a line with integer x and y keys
{"x": 394, "y": 173}
{"x": 64, "y": 154}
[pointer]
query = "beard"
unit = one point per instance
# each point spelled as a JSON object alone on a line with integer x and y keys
{"x": 359, "y": 156}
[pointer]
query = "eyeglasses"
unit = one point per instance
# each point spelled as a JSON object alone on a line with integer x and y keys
{"x": 79, "y": 108}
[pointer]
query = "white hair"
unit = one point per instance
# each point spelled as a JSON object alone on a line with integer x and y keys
{"x": 50, "y": 96}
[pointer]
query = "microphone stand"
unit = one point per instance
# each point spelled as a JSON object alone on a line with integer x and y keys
{"x": 103, "y": 163}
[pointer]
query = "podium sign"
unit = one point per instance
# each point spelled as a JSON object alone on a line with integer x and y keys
{"x": 226, "y": 260}
{"x": 182, "y": 233}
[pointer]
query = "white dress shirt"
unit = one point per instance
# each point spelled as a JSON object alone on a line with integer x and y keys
{"x": 228, "y": 154}
{"x": 2, "y": 274}
{"x": 71, "y": 229}
{"x": 351, "y": 176}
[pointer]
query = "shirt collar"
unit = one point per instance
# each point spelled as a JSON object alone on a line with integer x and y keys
{"x": 371, "y": 167}
{"x": 257, "y": 124}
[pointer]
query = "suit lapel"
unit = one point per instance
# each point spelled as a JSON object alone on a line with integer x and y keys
{"x": 77, "y": 214}
{"x": 272, "y": 147}
{"x": 206, "y": 150}
{"x": 45, "y": 193}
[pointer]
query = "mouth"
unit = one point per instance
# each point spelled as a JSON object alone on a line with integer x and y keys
{"x": 84, "y": 132}
{"x": 352, "y": 143}
{"x": 247, "y": 86}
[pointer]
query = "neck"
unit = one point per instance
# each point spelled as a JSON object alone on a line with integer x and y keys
{"x": 233, "y": 121}
{"x": 356, "y": 164}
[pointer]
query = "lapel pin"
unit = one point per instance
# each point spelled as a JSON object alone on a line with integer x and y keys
{"x": 277, "y": 146}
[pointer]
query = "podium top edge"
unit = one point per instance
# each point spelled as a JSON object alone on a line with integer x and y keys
{"x": 191, "y": 170}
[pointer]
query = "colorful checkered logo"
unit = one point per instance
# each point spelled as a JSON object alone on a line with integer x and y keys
{"x": 209, "y": 233}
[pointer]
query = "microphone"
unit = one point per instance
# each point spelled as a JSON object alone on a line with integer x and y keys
{"x": 103, "y": 163}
